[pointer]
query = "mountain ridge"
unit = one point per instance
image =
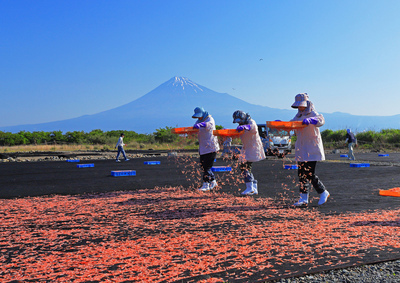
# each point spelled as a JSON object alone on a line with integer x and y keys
{"x": 171, "y": 104}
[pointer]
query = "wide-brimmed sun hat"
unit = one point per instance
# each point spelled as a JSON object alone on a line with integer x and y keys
{"x": 198, "y": 112}
{"x": 300, "y": 100}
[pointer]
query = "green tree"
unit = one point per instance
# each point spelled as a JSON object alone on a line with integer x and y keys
{"x": 75, "y": 137}
{"x": 165, "y": 135}
{"x": 7, "y": 139}
{"x": 96, "y": 137}
{"x": 57, "y": 136}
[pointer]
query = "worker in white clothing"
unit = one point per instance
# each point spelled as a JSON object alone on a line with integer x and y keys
{"x": 309, "y": 149}
{"x": 252, "y": 149}
{"x": 208, "y": 146}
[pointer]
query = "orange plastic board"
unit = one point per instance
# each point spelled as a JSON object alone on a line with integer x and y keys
{"x": 227, "y": 133}
{"x": 395, "y": 192}
{"x": 285, "y": 125}
{"x": 184, "y": 130}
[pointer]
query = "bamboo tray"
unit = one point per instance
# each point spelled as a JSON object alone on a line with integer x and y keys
{"x": 286, "y": 126}
{"x": 227, "y": 133}
{"x": 184, "y": 130}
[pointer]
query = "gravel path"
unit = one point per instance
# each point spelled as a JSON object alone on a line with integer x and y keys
{"x": 385, "y": 272}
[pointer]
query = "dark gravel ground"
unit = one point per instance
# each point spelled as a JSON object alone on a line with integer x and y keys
{"x": 351, "y": 189}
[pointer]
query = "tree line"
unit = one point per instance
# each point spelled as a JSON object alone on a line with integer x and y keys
{"x": 80, "y": 137}
{"x": 366, "y": 139}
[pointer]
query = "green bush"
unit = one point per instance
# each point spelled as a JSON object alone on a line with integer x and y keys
{"x": 387, "y": 138}
{"x": 165, "y": 135}
{"x": 333, "y": 136}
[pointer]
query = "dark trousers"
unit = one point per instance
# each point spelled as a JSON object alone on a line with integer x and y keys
{"x": 207, "y": 161}
{"x": 245, "y": 169}
{"x": 307, "y": 177}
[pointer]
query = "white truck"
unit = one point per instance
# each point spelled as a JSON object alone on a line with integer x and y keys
{"x": 276, "y": 142}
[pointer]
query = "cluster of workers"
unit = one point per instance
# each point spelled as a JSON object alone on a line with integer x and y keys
{"x": 308, "y": 149}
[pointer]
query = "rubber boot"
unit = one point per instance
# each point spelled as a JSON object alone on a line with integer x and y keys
{"x": 213, "y": 184}
{"x": 205, "y": 187}
{"x": 323, "y": 197}
{"x": 302, "y": 201}
{"x": 255, "y": 188}
{"x": 249, "y": 189}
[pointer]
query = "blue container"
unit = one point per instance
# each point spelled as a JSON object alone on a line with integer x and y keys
{"x": 73, "y": 160}
{"x": 85, "y": 165}
{"x": 120, "y": 173}
{"x": 294, "y": 166}
{"x": 152, "y": 162}
{"x": 359, "y": 165}
{"x": 221, "y": 168}
{"x": 344, "y": 155}
{"x": 383, "y": 154}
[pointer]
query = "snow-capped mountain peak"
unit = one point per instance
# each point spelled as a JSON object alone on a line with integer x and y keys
{"x": 184, "y": 82}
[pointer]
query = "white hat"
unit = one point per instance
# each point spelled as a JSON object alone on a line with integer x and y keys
{"x": 300, "y": 100}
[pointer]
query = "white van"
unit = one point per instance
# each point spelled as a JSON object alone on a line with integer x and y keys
{"x": 276, "y": 142}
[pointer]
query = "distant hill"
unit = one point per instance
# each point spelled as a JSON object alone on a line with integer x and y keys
{"x": 172, "y": 103}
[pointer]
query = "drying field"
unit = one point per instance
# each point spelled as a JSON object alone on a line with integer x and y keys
{"x": 62, "y": 223}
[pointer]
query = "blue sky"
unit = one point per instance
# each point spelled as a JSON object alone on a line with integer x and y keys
{"x": 64, "y": 59}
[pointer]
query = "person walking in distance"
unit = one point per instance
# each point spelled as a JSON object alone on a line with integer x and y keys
{"x": 352, "y": 142}
{"x": 120, "y": 147}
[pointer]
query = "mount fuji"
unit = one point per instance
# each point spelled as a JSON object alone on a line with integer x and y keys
{"x": 172, "y": 103}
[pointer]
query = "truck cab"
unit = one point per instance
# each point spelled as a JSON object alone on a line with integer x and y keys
{"x": 275, "y": 142}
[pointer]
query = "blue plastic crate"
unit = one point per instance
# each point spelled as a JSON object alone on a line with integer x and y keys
{"x": 119, "y": 173}
{"x": 344, "y": 155}
{"x": 293, "y": 166}
{"x": 152, "y": 162}
{"x": 85, "y": 165}
{"x": 383, "y": 154}
{"x": 359, "y": 165}
{"x": 73, "y": 160}
{"x": 221, "y": 168}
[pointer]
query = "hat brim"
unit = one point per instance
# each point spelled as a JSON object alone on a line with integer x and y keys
{"x": 198, "y": 115}
{"x": 298, "y": 104}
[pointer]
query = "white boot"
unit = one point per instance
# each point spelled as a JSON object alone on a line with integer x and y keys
{"x": 213, "y": 184}
{"x": 255, "y": 188}
{"x": 302, "y": 201}
{"x": 323, "y": 197}
{"x": 205, "y": 187}
{"x": 249, "y": 189}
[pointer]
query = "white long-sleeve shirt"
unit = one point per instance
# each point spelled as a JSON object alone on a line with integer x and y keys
{"x": 207, "y": 141}
{"x": 120, "y": 142}
{"x": 309, "y": 145}
{"x": 252, "y": 149}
